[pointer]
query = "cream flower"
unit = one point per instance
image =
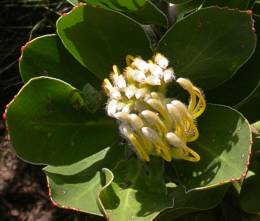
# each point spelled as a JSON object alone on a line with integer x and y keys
{"x": 152, "y": 123}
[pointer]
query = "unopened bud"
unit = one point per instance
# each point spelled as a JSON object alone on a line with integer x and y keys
{"x": 185, "y": 83}
{"x": 120, "y": 82}
{"x": 156, "y": 71}
{"x": 161, "y": 60}
{"x": 140, "y": 64}
{"x": 168, "y": 75}
{"x": 130, "y": 91}
{"x": 111, "y": 107}
{"x": 136, "y": 122}
{"x": 153, "y": 119}
{"x": 122, "y": 116}
{"x": 174, "y": 140}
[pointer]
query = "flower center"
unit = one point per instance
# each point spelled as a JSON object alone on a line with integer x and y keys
{"x": 152, "y": 123}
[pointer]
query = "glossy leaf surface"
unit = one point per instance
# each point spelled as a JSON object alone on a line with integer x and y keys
{"x": 77, "y": 185}
{"x": 49, "y": 124}
{"x": 205, "y": 50}
{"x": 97, "y": 46}
{"x": 46, "y": 56}
{"x": 188, "y": 202}
{"x": 143, "y": 11}
{"x": 136, "y": 191}
{"x": 224, "y": 146}
{"x": 241, "y": 86}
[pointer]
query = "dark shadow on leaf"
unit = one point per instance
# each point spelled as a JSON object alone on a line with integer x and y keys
{"x": 97, "y": 46}
{"x": 223, "y": 146}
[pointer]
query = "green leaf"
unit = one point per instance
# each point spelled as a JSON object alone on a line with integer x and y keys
{"x": 236, "y": 4}
{"x": 49, "y": 124}
{"x": 256, "y": 128}
{"x": 205, "y": 50}
{"x": 250, "y": 107}
{"x": 143, "y": 11}
{"x": 224, "y": 146}
{"x": 94, "y": 99}
{"x": 105, "y": 38}
{"x": 209, "y": 215}
{"x": 256, "y": 8}
{"x": 47, "y": 56}
{"x": 131, "y": 190}
{"x": 178, "y": 1}
{"x": 76, "y": 186}
{"x": 250, "y": 193}
{"x": 187, "y": 7}
{"x": 240, "y": 87}
{"x": 137, "y": 192}
{"x": 188, "y": 202}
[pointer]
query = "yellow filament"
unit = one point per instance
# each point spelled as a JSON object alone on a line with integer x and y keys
{"x": 179, "y": 123}
{"x": 188, "y": 86}
{"x": 147, "y": 144}
{"x": 138, "y": 147}
{"x": 153, "y": 119}
{"x": 164, "y": 151}
{"x": 194, "y": 156}
{"x": 195, "y": 107}
{"x": 186, "y": 118}
{"x": 158, "y": 106}
{"x": 195, "y": 136}
{"x": 200, "y": 107}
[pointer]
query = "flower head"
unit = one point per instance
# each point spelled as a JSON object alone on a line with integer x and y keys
{"x": 152, "y": 123}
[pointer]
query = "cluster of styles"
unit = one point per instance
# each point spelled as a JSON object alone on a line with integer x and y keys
{"x": 152, "y": 123}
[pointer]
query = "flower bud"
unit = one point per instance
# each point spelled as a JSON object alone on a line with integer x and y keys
{"x": 160, "y": 60}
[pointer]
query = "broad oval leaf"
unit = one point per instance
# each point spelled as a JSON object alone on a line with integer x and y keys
{"x": 178, "y": 1}
{"x": 48, "y": 124}
{"x": 241, "y": 86}
{"x": 256, "y": 8}
{"x": 143, "y": 11}
{"x": 205, "y": 50}
{"x": 237, "y": 4}
{"x": 76, "y": 186}
{"x": 224, "y": 146}
{"x": 187, "y": 7}
{"x": 133, "y": 189}
{"x": 99, "y": 38}
{"x": 47, "y": 56}
{"x": 250, "y": 193}
{"x": 251, "y": 107}
{"x": 136, "y": 191}
{"x": 188, "y": 202}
